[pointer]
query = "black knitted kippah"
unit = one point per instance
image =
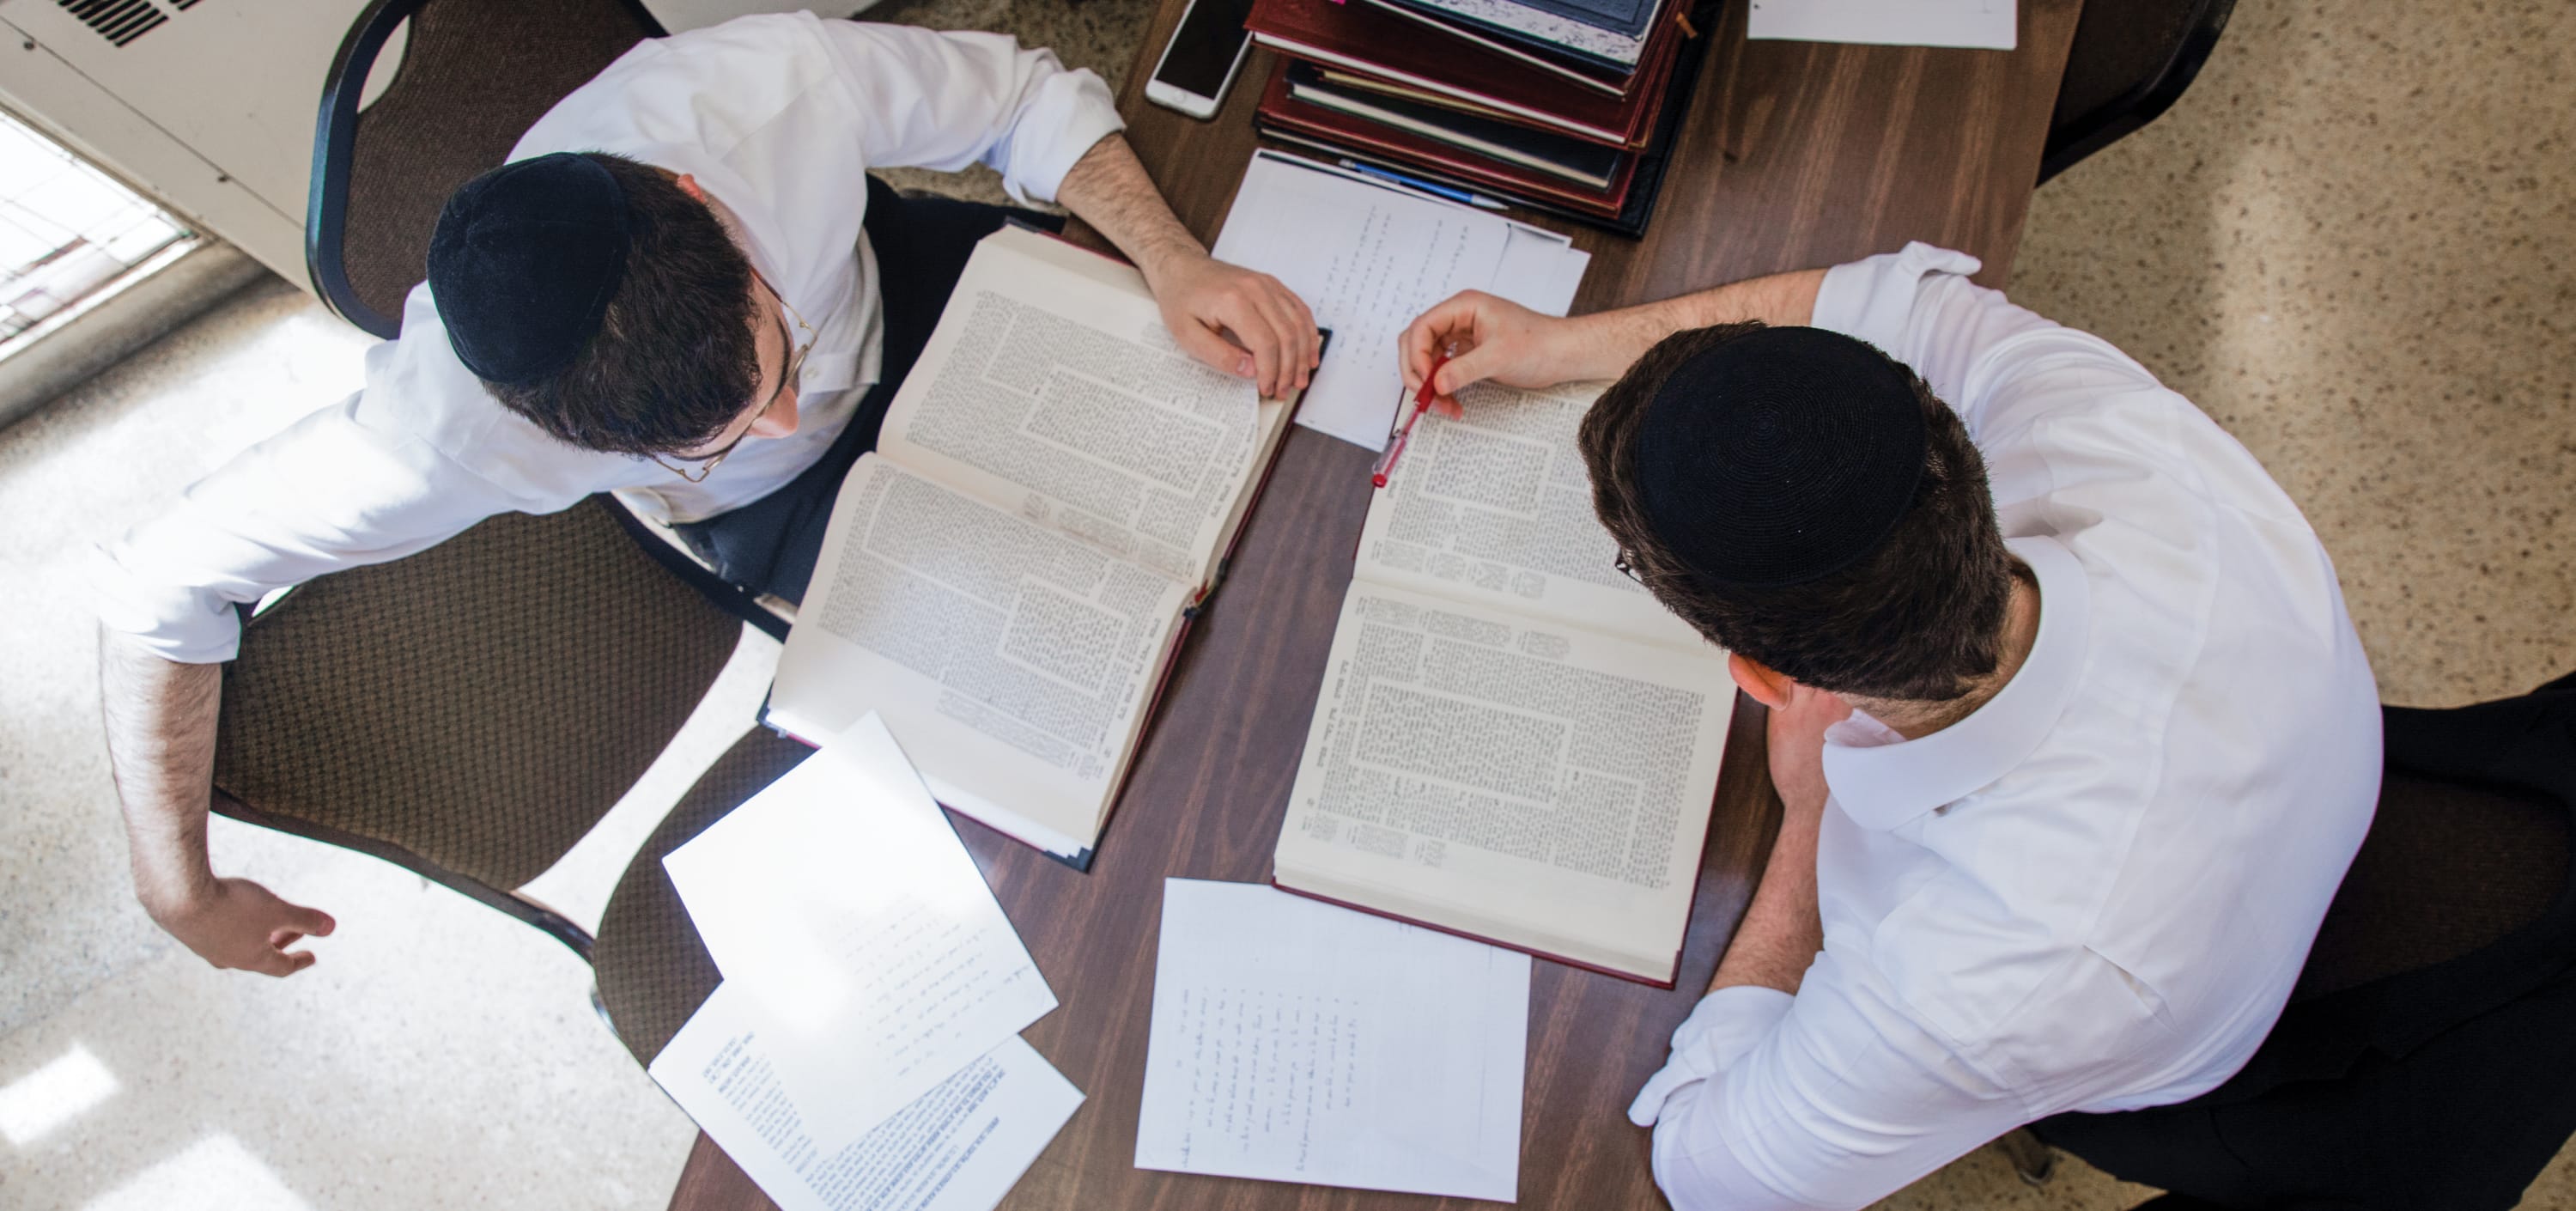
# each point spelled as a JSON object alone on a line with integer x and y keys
{"x": 523, "y": 263}
{"x": 1779, "y": 457}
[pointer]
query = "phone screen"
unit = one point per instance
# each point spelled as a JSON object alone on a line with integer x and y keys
{"x": 1204, "y": 48}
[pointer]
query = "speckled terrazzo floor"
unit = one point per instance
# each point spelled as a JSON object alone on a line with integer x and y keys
{"x": 2351, "y": 243}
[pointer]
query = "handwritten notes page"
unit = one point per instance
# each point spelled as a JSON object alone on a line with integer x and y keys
{"x": 1368, "y": 257}
{"x": 1987, "y": 24}
{"x": 840, "y": 902}
{"x": 960, "y": 1146}
{"x": 1299, "y": 1042}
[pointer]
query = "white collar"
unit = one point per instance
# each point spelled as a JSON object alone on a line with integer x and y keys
{"x": 1885, "y": 785}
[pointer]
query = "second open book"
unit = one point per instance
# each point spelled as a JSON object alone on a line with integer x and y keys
{"x": 1006, "y": 578}
{"x": 1514, "y": 741}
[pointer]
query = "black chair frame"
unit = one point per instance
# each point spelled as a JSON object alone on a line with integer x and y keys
{"x": 2083, "y": 134}
{"x": 527, "y": 911}
{"x": 326, "y": 205}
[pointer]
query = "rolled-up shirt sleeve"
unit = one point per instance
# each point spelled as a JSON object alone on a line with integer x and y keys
{"x": 946, "y": 100}
{"x": 1831, "y": 1099}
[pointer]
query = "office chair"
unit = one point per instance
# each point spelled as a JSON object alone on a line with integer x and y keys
{"x": 471, "y": 711}
{"x": 2428, "y": 1054}
{"x": 2130, "y": 61}
{"x": 474, "y": 76}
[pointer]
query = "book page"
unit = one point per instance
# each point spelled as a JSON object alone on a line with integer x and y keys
{"x": 1294, "y": 1041}
{"x": 1368, "y": 257}
{"x": 1062, "y": 397}
{"x": 1539, "y": 785}
{"x": 1497, "y": 509}
{"x": 959, "y": 1147}
{"x": 1985, "y": 24}
{"x": 842, "y": 900}
{"x": 1012, "y": 662}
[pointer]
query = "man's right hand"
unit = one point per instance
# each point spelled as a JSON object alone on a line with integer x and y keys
{"x": 1489, "y": 338}
{"x": 239, "y": 925}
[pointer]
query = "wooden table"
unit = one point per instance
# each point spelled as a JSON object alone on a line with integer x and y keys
{"x": 1794, "y": 155}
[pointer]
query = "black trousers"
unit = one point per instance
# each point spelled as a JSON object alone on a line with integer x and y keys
{"x": 922, "y": 244}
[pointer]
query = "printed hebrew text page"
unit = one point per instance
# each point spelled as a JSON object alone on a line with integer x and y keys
{"x": 1497, "y": 509}
{"x": 1061, "y": 396}
{"x": 1539, "y": 785}
{"x": 1013, "y": 663}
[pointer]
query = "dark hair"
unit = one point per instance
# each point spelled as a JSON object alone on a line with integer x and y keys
{"x": 1918, "y": 618}
{"x": 674, "y": 360}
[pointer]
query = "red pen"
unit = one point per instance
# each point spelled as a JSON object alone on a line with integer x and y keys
{"x": 1395, "y": 445}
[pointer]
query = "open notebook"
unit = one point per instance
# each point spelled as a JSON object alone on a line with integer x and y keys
{"x": 1006, "y": 578}
{"x": 1514, "y": 741}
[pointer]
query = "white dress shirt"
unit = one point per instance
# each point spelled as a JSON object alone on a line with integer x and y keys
{"x": 2095, "y": 892}
{"x": 778, "y": 117}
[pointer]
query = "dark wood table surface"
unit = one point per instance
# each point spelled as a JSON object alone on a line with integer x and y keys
{"x": 1794, "y": 155}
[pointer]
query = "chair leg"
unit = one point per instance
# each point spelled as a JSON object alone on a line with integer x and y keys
{"x": 600, "y": 1007}
{"x": 2034, "y": 1161}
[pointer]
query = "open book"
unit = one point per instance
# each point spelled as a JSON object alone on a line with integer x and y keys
{"x": 1515, "y": 741}
{"x": 1006, "y": 578}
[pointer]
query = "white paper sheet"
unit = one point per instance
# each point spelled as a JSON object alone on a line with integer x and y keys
{"x": 1368, "y": 257}
{"x": 960, "y": 1146}
{"x": 1986, "y": 24}
{"x": 1299, "y": 1042}
{"x": 841, "y": 903}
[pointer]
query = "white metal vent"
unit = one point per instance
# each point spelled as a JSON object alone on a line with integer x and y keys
{"x": 119, "y": 21}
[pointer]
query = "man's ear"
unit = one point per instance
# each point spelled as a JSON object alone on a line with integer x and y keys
{"x": 689, "y": 185}
{"x": 1769, "y": 686}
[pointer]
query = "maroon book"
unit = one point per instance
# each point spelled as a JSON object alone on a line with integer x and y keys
{"x": 1285, "y": 114}
{"x": 1368, "y": 41}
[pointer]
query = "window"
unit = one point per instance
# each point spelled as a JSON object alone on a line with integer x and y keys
{"x": 66, "y": 229}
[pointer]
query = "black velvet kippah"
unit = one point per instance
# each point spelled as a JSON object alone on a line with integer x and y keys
{"x": 1779, "y": 457}
{"x": 523, "y": 263}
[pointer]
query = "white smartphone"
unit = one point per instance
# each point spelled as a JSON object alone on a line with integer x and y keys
{"x": 1201, "y": 60}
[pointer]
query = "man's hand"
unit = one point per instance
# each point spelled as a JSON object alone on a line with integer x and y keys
{"x": 1782, "y": 929}
{"x": 240, "y": 925}
{"x": 1239, "y": 321}
{"x": 1227, "y": 316}
{"x": 1488, "y": 338}
{"x": 1797, "y": 743}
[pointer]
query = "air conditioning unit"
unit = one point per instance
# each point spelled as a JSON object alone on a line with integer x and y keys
{"x": 208, "y": 105}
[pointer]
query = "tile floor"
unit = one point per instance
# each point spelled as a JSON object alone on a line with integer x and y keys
{"x": 2350, "y": 243}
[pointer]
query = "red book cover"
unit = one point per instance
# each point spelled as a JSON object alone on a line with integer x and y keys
{"x": 1364, "y": 39}
{"x": 1287, "y": 114}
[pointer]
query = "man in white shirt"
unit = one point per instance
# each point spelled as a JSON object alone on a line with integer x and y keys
{"x": 684, "y": 289}
{"x": 2074, "y": 735}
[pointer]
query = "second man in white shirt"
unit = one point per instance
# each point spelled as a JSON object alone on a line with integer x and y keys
{"x": 2074, "y": 735}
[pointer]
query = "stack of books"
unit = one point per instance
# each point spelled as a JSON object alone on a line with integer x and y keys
{"x": 1565, "y": 106}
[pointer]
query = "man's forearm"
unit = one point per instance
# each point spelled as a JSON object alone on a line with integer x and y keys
{"x": 1782, "y": 930}
{"x": 1109, "y": 189}
{"x": 160, "y": 718}
{"x": 1614, "y": 340}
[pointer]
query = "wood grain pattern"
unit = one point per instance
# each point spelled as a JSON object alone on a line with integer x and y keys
{"x": 1794, "y": 155}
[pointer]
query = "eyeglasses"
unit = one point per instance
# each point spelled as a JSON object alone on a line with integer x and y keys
{"x": 795, "y": 363}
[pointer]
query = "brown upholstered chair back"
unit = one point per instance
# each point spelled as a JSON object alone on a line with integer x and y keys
{"x": 472, "y": 710}
{"x": 474, "y": 76}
